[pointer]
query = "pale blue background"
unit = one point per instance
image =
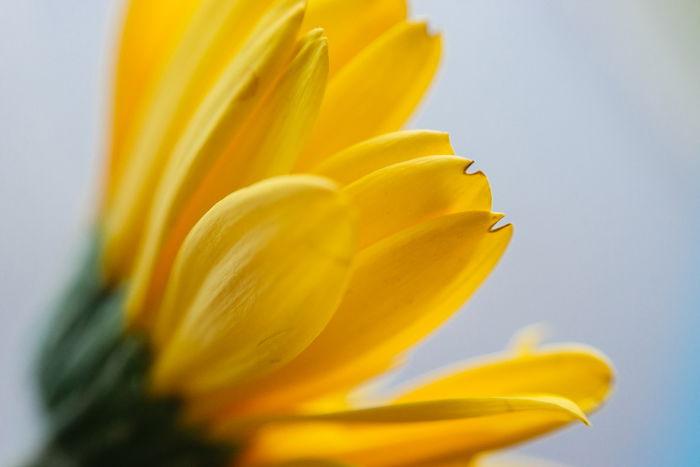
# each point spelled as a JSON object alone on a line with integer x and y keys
{"x": 584, "y": 114}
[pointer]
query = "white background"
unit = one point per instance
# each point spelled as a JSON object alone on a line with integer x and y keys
{"x": 585, "y": 115}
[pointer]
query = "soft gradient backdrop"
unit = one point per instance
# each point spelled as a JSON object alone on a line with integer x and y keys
{"x": 584, "y": 115}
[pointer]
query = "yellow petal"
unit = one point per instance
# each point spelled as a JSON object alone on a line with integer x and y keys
{"x": 275, "y": 134}
{"x": 363, "y": 158}
{"x": 578, "y": 375}
{"x": 401, "y": 195}
{"x": 451, "y": 409}
{"x": 255, "y": 282}
{"x": 150, "y": 33}
{"x": 376, "y": 92}
{"x": 419, "y": 412}
{"x": 351, "y": 25}
{"x": 575, "y": 372}
{"x": 402, "y": 288}
{"x": 268, "y": 145}
{"x": 224, "y": 111}
{"x": 213, "y": 38}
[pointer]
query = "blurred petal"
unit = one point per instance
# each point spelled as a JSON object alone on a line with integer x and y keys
{"x": 213, "y": 50}
{"x": 225, "y": 110}
{"x": 268, "y": 145}
{"x": 528, "y": 339}
{"x": 351, "y": 25}
{"x": 254, "y": 284}
{"x": 402, "y": 288}
{"x": 363, "y": 158}
{"x": 574, "y": 372}
{"x": 577, "y": 375}
{"x": 375, "y": 93}
{"x": 401, "y": 195}
{"x": 150, "y": 33}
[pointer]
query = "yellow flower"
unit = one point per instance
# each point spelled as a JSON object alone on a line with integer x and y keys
{"x": 282, "y": 241}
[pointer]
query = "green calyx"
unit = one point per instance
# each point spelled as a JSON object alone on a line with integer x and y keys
{"x": 92, "y": 381}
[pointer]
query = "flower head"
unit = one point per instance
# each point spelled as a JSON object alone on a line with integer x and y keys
{"x": 280, "y": 241}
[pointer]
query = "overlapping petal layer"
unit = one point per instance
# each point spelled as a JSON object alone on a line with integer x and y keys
{"x": 255, "y": 282}
{"x": 267, "y": 306}
{"x": 578, "y": 375}
{"x": 402, "y": 195}
{"x": 367, "y": 156}
{"x": 401, "y": 289}
{"x": 212, "y": 43}
{"x": 376, "y": 92}
{"x": 266, "y": 146}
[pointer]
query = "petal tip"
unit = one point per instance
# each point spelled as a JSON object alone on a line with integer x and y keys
{"x": 495, "y": 220}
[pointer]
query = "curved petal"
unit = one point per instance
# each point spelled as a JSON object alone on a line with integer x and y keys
{"x": 418, "y": 412}
{"x": 576, "y": 374}
{"x": 363, "y": 158}
{"x": 402, "y": 288}
{"x": 375, "y": 93}
{"x": 402, "y": 195}
{"x": 255, "y": 282}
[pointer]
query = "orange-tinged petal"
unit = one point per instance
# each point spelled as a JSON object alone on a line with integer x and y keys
{"x": 363, "y": 158}
{"x": 376, "y": 92}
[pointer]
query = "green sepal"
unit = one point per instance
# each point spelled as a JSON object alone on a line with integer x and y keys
{"x": 64, "y": 340}
{"x": 93, "y": 382}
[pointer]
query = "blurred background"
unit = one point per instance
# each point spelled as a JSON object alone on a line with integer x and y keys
{"x": 584, "y": 115}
